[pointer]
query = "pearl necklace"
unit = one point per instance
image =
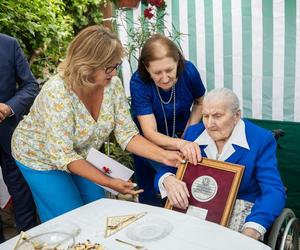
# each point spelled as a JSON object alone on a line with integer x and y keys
{"x": 174, "y": 109}
{"x": 171, "y": 96}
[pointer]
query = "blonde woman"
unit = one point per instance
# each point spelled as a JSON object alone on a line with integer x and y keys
{"x": 75, "y": 111}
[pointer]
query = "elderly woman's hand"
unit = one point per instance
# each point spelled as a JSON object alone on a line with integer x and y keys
{"x": 177, "y": 191}
{"x": 251, "y": 232}
{"x": 190, "y": 150}
{"x": 124, "y": 187}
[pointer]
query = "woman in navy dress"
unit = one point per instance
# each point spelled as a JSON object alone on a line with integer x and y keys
{"x": 166, "y": 93}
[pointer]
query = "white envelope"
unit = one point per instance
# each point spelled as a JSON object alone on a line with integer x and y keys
{"x": 116, "y": 169}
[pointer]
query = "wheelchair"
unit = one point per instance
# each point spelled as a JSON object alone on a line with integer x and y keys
{"x": 285, "y": 231}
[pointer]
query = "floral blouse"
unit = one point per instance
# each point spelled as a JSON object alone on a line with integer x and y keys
{"x": 59, "y": 129}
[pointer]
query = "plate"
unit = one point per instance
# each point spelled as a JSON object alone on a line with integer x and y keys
{"x": 50, "y": 240}
{"x": 150, "y": 229}
{"x": 62, "y": 226}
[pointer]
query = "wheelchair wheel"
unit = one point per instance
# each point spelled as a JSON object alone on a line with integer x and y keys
{"x": 278, "y": 228}
{"x": 291, "y": 236}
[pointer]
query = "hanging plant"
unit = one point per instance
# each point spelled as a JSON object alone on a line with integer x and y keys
{"x": 127, "y": 3}
{"x": 147, "y": 24}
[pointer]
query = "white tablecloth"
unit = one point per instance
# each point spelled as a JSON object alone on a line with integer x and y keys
{"x": 188, "y": 232}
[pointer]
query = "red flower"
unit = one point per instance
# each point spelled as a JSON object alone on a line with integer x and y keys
{"x": 106, "y": 170}
{"x": 147, "y": 13}
{"x": 157, "y": 3}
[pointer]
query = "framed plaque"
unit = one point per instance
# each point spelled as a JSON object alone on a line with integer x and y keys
{"x": 213, "y": 186}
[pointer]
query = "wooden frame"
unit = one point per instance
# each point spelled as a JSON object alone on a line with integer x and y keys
{"x": 213, "y": 186}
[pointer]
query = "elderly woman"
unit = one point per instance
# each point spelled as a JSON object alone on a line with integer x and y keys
{"x": 75, "y": 111}
{"x": 224, "y": 136}
{"x": 166, "y": 97}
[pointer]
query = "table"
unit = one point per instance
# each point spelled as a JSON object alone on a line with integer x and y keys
{"x": 187, "y": 232}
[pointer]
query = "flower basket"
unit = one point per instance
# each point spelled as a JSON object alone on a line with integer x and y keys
{"x": 128, "y": 3}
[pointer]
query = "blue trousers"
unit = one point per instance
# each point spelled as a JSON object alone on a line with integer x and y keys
{"x": 23, "y": 204}
{"x": 56, "y": 192}
{"x": 145, "y": 171}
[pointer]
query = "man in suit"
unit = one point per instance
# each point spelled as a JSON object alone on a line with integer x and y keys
{"x": 18, "y": 88}
{"x": 223, "y": 135}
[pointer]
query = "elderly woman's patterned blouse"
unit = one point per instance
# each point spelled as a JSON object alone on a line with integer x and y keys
{"x": 59, "y": 129}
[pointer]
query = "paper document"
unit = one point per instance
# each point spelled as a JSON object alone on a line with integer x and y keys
{"x": 109, "y": 167}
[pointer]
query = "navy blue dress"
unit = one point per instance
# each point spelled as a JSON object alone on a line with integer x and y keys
{"x": 145, "y": 100}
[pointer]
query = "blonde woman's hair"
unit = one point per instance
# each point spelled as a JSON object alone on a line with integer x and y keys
{"x": 94, "y": 48}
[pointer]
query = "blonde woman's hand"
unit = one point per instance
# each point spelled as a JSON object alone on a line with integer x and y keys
{"x": 190, "y": 150}
{"x": 172, "y": 158}
{"x": 177, "y": 192}
{"x": 124, "y": 187}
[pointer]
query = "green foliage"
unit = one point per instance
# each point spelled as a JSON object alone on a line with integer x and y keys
{"x": 41, "y": 27}
{"x": 45, "y": 28}
{"x": 85, "y": 12}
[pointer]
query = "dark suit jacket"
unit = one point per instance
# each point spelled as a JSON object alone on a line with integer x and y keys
{"x": 18, "y": 87}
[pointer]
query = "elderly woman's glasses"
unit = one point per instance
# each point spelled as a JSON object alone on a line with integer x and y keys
{"x": 110, "y": 69}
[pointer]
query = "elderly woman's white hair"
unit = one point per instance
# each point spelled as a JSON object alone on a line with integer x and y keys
{"x": 226, "y": 95}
